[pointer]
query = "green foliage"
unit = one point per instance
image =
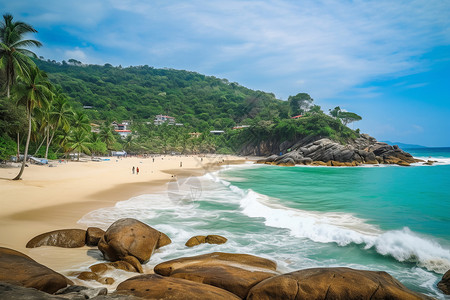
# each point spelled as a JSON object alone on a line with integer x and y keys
{"x": 300, "y": 103}
{"x": 8, "y": 147}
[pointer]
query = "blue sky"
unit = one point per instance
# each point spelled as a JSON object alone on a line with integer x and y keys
{"x": 388, "y": 61}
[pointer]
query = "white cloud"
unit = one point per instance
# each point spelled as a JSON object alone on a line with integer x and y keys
{"x": 77, "y": 54}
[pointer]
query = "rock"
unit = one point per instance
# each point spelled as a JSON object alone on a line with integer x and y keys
{"x": 196, "y": 240}
{"x": 153, "y": 286}
{"x": 286, "y": 162}
{"x": 215, "y": 239}
{"x": 444, "y": 284}
{"x": 163, "y": 241}
{"x": 11, "y": 291}
{"x": 83, "y": 292}
{"x": 236, "y": 273}
{"x": 129, "y": 237}
{"x": 120, "y": 264}
{"x": 87, "y": 276}
{"x": 66, "y": 238}
{"x": 332, "y": 283}
{"x": 106, "y": 280}
{"x": 134, "y": 262}
{"x": 93, "y": 236}
{"x": 19, "y": 269}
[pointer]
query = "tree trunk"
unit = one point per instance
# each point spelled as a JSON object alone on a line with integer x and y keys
{"x": 26, "y": 149}
{"x": 7, "y": 91}
{"x": 18, "y": 146}
{"x": 40, "y": 145}
{"x": 48, "y": 143}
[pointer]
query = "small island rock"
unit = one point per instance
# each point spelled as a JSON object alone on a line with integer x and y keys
{"x": 66, "y": 238}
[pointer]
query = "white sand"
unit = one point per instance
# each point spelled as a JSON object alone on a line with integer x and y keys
{"x": 56, "y": 198}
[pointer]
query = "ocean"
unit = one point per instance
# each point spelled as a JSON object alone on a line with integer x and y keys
{"x": 385, "y": 218}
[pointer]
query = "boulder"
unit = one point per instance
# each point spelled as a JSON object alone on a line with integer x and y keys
{"x": 129, "y": 237}
{"x": 332, "y": 283}
{"x": 66, "y": 238}
{"x": 196, "y": 240}
{"x": 444, "y": 284}
{"x": 11, "y": 291}
{"x": 215, "y": 239}
{"x": 74, "y": 291}
{"x": 154, "y": 286}
{"x": 120, "y": 264}
{"x": 236, "y": 273}
{"x": 19, "y": 269}
{"x": 88, "y": 276}
{"x": 93, "y": 236}
{"x": 134, "y": 262}
{"x": 163, "y": 241}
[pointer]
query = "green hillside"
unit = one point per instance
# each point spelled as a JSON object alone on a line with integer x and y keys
{"x": 139, "y": 93}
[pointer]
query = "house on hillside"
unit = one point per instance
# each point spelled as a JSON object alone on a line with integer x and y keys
{"x": 123, "y": 132}
{"x": 217, "y": 132}
{"x": 296, "y": 117}
{"x": 240, "y": 127}
{"x": 161, "y": 119}
{"x": 122, "y": 128}
{"x": 95, "y": 127}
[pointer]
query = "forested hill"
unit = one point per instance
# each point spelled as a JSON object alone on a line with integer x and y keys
{"x": 139, "y": 93}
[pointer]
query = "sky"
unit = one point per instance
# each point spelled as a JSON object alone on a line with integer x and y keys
{"x": 388, "y": 61}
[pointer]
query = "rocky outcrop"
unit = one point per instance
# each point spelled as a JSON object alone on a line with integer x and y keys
{"x": 154, "y": 286}
{"x": 129, "y": 237}
{"x": 19, "y": 269}
{"x": 236, "y": 273}
{"x": 332, "y": 283}
{"x": 164, "y": 240}
{"x": 444, "y": 284}
{"x": 93, "y": 236}
{"x": 316, "y": 150}
{"x": 210, "y": 239}
{"x": 66, "y": 238}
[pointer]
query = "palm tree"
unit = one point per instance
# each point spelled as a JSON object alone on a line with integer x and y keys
{"x": 60, "y": 116}
{"x": 81, "y": 121}
{"x": 14, "y": 59}
{"x": 107, "y": 136}
{"x": 32, "y": 91}
{"x": 79, "y": 141}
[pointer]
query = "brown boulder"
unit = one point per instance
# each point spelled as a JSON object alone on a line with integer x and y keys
{"x": 88, "y": 276}
{"x": 216, "y": 258}
{"x": 134, "y": 262}
{"x": 120, "y": 264}
{"x": 332, "y": 283}
{"x": 129, "y": 237}
{"x": 196, "y": 240}
{"x": 93, "y": 236}
{"x": 236, "y": 273}
{"x": 444, "y": 284}
{"x": 19, "y": 269}
{"x": 153, "y": 286}
{"x": 66, "y": 238}
{"x": 163, "y": 241}
{"x": 215, "y": 239}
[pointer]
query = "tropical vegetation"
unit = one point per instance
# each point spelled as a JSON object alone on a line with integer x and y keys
{"x": 51, "y": 109}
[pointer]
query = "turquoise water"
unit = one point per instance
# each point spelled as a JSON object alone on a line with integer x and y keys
{"x": 389, "y": 218}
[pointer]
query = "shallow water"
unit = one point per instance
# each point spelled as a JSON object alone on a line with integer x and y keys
{"x": 389, "y": 218}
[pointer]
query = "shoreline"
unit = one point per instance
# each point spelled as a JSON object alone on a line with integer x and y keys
{"x": 55, "y": 198}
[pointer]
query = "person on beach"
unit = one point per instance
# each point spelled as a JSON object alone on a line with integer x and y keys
{"x": 137, "y": 171}
{"x": 181, "y": 164}
{"x": 132, "y": 169}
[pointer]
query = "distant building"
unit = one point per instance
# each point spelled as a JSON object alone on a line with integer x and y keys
{"x": 123, "y": 132}
{"x": 161, "y": 119}
{"x": 195, "y": 134}
{"x": 88, "y": 107}
{"x": 296, "y": 117}
{"x": 95, "y": 128}
{"x": 241, "y": 126}
{"x": 217, "y": 132}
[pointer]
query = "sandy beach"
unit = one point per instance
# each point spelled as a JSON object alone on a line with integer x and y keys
{"x": 51, "y": 198}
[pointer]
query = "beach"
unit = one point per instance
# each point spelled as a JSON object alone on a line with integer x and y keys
{"x": 52, "y": 198}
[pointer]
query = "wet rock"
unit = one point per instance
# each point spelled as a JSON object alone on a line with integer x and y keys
{"x": 164, "y": 240}
{"x": 19, "y": 269}
{"x": 66, "y": 238}
{"x": 87, "y": 276}
{"x": 11, "y": 291}
{"x": 153, "y": 286}
{"x": 75, "y": 291}
{"x": 332, "y": 283}
{"x": 196, "y": 240}
{"x": 120, "y": 264}
{"x": 236, "y": 273}
{"x": 134, "y": 262}
{"x": 444, "y": 284}
{"x": 129, "y": 237}
{"x": 215, "y": 239}
{"x": 93, "y": 236}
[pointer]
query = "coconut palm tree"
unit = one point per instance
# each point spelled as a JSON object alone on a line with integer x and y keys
{"x": 80, "y": 120}
{"x": 79, "y": 142}
{"x": 60, "y": 116}
{"x": 14, "y": 58}
{"x": 32, "y": 90}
